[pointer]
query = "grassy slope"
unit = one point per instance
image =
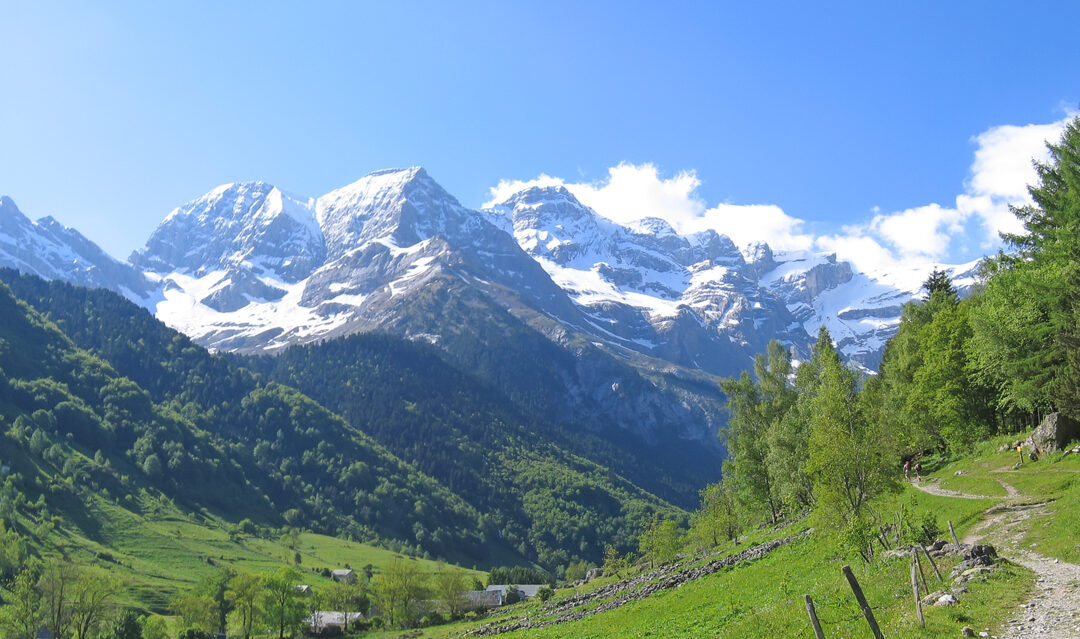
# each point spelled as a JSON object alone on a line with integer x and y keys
{"x": 1054, "y": 478}
{"x": 164, "y": 550}
{"x": 765, "y": 598}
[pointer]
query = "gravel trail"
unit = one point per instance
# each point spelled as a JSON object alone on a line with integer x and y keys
{"x": 1054, "y": 609}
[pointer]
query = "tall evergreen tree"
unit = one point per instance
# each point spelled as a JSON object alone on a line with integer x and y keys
{"x": 940, "y": 282}
{"x": 1034, "y": 314}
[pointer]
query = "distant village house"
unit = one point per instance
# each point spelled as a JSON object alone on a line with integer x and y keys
{"x": 320, "y": 620}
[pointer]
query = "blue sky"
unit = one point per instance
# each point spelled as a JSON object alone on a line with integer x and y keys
{"x": 848, "y": 121}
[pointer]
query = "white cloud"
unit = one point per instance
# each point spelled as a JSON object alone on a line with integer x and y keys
{"x": 925, "y": 231}
{"x": 866, "y": 253}
{"x": 887, "y": 242}
{"x": 1003, "y": 162}
{"x": 749, "y": 223}
{"x": 632, "y": 192}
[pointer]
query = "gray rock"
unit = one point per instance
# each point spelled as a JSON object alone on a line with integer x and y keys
{"x": 1055, "y": 431}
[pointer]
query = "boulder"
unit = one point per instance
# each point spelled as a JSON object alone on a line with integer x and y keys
{"x": 929, "y": 600}
{"x": 1055, "y": 431}
{"x": 965, "y": 569}
{"x": 946, "y": 600}
{"x": 593, "y": 573}
{"x": 980, "y": 550}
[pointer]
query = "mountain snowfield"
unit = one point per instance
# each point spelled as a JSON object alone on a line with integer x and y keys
{"x": 250, "y": 267}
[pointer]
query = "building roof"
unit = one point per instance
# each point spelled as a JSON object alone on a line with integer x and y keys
{"x": 324, "y": 618}
{"x": 526, "y": 590}
{"x": 484, "y": 598}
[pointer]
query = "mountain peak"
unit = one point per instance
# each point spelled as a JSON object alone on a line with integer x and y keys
{"x": 406, "y": 204}
{"x": 233, "y": 223}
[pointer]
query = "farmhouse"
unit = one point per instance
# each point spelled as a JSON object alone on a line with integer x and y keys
{"x": 344, "y": 575}
{"x": 323, "y": 619}
{"x": 525, "y": 591}
{"x": 483, "y": 599}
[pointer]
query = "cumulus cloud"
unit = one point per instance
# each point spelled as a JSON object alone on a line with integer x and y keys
{"x": 1003, "y": 160}
{"x": 888, "y": 241}
{"x": 750, "y": 223}
{"x": 924, "y": 231}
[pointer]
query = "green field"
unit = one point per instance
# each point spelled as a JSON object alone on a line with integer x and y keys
{"x": 165, "y": 550}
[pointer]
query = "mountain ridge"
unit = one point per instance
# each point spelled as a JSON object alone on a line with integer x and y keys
{"x": 619, "y": 331}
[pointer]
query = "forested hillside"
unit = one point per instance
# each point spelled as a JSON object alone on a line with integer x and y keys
{"x": 512, "y": 489}
{"x": 211, "y": 435}
{"x": 552, "y": 505}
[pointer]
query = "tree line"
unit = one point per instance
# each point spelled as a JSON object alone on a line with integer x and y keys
{"x": 823, "y": 437}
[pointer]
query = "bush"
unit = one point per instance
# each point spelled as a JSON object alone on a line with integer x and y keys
{"x": 545, "y": 593}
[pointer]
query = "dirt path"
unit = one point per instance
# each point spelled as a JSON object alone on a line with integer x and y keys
{"x": 932, "y": 487}
{"x": 1054, "y": 610}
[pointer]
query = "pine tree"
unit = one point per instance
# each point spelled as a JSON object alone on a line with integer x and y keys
{"x": 1028, "y": 329}
{"x": 940, "y": 282}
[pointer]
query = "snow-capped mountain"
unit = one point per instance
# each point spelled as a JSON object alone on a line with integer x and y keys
{"x": 698, "y": 300}
{"x": 612, "y": 327}
{"x": 250, "y": 267}
{"x": 53, "y": 251}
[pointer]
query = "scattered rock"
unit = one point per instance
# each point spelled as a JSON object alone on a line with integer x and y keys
{"x": 958, "y": 473}
{"x": 946, "y": 600}
{"x": 967, "y": 631}
{"x": 930, "y": 599}
{"x": 593, "y": 573}
{"x": 980, "y": 550}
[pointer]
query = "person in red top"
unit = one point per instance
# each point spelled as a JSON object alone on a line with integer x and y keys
{"x": 907, "y": 467}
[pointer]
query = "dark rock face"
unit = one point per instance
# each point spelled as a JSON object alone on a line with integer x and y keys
{"x": 1055, "y": 431}
{"x": 238, "y": 289}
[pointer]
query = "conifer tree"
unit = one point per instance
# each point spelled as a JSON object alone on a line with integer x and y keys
{"x": 1027, "y": 327}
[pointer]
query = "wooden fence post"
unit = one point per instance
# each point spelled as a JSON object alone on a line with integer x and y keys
{"x": 813, "y": 618}
{"x": 915, "y": 591}
{"x": 953, "y": 531}
{"x": 867, "y": 612}
{"x": 932, "y": 564}
{"x": 918, "y": 564}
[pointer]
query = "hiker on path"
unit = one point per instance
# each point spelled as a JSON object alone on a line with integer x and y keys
{"x": 918, "y": 471}
{"x": 907, "y": 468}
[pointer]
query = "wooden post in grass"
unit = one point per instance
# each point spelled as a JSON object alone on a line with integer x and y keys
{"x": 918, "y": 565}
{"x": 953, "y": 531}
{"x": 932, "y": 564}
{"x": 813, "y": 618}
{"x": 915, "y": 590}
{"x": 867, "y": 612}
